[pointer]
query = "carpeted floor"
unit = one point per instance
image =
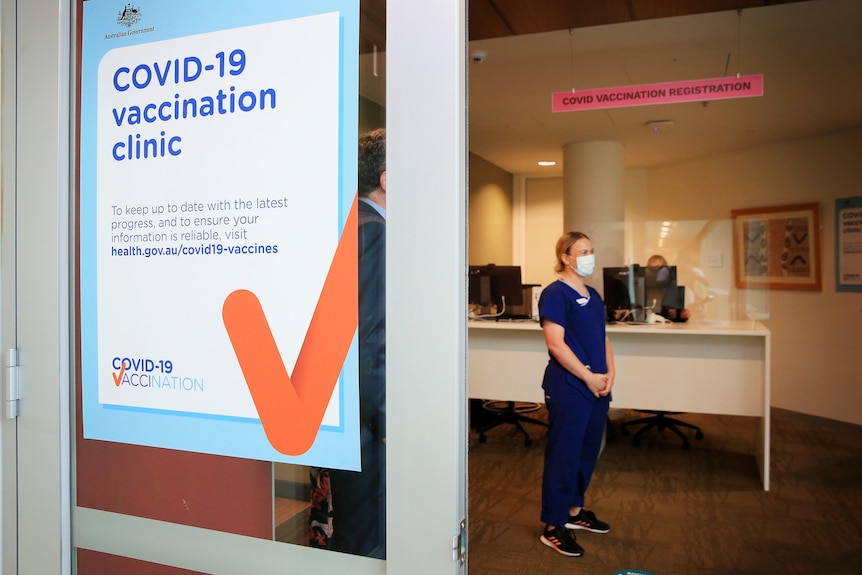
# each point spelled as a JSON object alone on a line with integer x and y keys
{"x": 681, "y": 512}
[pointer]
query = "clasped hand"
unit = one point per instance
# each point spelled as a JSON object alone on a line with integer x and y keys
{"x": 600, "y": 384}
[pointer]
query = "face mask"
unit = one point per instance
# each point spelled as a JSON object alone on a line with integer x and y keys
{"x": 586, "y": 265}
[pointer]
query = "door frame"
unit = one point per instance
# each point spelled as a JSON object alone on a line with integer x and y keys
{"x": 8, "y": 427}
{"x": 39, "y": 41}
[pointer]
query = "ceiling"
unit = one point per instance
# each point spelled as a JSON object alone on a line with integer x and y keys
{"x": 810, "y": 55}
{"x": 499, "y": 18}
{"x": 809, "y": 52}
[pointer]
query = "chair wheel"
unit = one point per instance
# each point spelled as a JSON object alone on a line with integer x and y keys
{"x": 698, "y": 435}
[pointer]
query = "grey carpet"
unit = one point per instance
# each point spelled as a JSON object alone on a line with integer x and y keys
{"x": 677, "y": 512}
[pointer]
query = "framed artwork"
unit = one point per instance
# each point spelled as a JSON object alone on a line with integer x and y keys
{"x": 777, "y": 247}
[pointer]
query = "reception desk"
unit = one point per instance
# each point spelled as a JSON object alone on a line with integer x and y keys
{"x": 698, "y": 367}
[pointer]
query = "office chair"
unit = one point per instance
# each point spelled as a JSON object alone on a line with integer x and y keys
{"x": 509, "y": 412}
{"x": 660, "y": 420}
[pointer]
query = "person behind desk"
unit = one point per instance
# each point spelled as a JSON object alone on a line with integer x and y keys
{"x": 577, "y": 384}
{"x": 658, "y": 261}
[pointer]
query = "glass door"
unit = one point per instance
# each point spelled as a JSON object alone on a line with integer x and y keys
{"x": 107, "y": 505}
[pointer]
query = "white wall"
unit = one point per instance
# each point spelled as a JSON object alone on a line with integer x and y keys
{"x": 816, "y": 339}
{"x": 490, "y": 214}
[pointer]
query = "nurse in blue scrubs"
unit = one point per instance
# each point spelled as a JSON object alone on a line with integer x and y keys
{"x": 577, "y": 385}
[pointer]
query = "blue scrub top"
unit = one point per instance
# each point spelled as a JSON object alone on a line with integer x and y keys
{"x": 583, "y": 318}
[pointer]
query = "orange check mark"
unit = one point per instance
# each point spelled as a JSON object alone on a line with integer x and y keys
{"x": 118, "y": 377}
{"x": 291, "y": 407}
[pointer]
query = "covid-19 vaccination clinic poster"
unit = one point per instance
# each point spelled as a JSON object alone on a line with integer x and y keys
{"x": 217, "y": 227}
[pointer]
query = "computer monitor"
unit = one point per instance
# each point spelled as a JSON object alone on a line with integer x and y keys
{"x": 493, "y": 285}
{"x": 632, "y": 292}
{"x": 662, "y": 291}
{"x": 624, "y": 295}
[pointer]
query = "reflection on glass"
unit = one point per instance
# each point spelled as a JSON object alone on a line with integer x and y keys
{"x": 702, "y": 252}
{"x": 328, "y": 508}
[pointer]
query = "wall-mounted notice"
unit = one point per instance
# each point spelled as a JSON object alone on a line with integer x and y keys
{"x": 848, "y": 244}
{"x": 218, "y": 248}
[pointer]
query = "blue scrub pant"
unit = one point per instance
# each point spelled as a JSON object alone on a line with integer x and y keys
{"x": 576, "y": 424}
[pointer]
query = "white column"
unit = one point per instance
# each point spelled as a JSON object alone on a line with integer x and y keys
{"x": 636, "y": 193}
{"x": 594, "y": 199}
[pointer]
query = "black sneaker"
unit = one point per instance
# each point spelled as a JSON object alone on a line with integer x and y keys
{"x": 587, "y": 520}
{"x": 562, "y": 540}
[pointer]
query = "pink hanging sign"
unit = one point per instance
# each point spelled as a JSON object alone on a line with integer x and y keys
{"x": 663, "y": 93}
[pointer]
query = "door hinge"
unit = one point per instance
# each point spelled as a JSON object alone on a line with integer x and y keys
{"x": 11, "y": 385}
{"x": 459, "y": 544}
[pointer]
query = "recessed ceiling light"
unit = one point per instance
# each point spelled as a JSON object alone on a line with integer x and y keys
{"x": 547, "y": 163}
{"x": 659, "y": 125}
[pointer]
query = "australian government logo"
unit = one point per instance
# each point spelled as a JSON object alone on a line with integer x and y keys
{"x": 128, "y": 17}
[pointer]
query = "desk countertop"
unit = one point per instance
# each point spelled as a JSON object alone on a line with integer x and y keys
{"x": 753, "y": 328}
